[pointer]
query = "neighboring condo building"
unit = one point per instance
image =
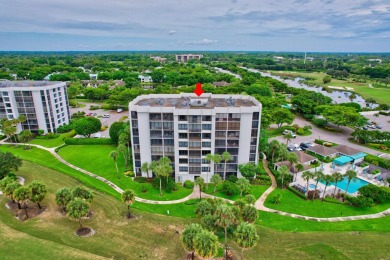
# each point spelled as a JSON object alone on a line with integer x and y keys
{"x": 43, "y": 103}
{"x": 188, "y": 57}
{"x": 185, "y": 128}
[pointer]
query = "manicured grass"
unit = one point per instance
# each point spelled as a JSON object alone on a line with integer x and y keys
{"x": 44, "y": 158}
{"x": 381, "y": 95}
{"x": 51, "y": 233}
{"x": 151, "y": 236}
{"x": 256, "y": 191}
{"x": 49, "y": 143}
{"x": 96, "y": 159}
{"x": 293, "y": 204}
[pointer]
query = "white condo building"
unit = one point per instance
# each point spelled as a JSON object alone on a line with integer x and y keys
{"x": 43, "y": 103}
{"x": 185, "y": 128}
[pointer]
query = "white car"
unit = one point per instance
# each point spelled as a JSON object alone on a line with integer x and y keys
{"x": 289, "y": 132}
{"x": 106, "y": 116}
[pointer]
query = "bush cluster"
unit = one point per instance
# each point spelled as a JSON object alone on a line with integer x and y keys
{"x": 140, "y": 179}
{"x": 168, "y": 186}
{"x": 302, "y": 196}
{"x": 188, "y": 184}
{"x": 384, "y": 163}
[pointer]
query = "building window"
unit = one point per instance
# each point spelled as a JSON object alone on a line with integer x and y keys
{"x": 206, "y": 118}
{"x": 183, "y": 126}
{"x": 182, "y": 118}
{"x": 206, "y": 126}
{"x": 183, "y": 144}
{"x": 183, "y": 169}
{"x": 183, "y": 152}
{"x": 183, "y": 135}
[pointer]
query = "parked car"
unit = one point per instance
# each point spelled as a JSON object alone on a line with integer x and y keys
{"x": 119, "y": 110}
{"x": 289, "y": 132}
{"x": 94, "y": 114}
{"x": 365, "y": 127}
{"x": 378, "y": 126}
{"x": 106, "y": 116}
{"x": 304, "y": 146}
{"x": 88, "y": 114}
{"x": 293, "y": 147}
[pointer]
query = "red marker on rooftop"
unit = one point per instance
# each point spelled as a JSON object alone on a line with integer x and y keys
{"x": 198, "y": 90}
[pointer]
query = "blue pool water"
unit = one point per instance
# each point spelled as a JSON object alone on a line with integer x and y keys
{"x": 353, "y": 187}
{"x": 312, "y": 186}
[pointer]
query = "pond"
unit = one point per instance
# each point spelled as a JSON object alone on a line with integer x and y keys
{"x": 227, "y": 72}
{"x": 338, "y": 96}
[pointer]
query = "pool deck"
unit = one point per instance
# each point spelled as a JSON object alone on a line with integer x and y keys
{"x": 328, "y": 169}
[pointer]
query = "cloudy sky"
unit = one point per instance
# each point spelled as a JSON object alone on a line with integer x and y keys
{"x": 257, "y": 25}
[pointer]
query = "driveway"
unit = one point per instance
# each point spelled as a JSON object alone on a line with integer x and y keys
{"x": 114, "y": 116}
{"x": 318, "y": 133}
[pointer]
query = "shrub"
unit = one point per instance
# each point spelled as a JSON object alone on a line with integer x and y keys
{"x": 276, "y": 198}
{"x": 107, "y": 107}
{"x": 140, "y": 179}
{"x": 70, "y": 134}
{"x": 377, "y": 194}
{"x": 364, "y": 164}
{"x": 384, "y": 163}
{"x": 319, "y": 122}
{"x": 40, "y": 132}
{"x": 232, "y": 178}
{"x": 191, "y": 202}
{"x": 129, "y": 174}
{"x": 258, "y": 182}
{"x": 167, "y": 186}
{"x": 361, "y": 201}
{"x": 94, "y": 107}
{"x": 318, "y": 141}
{"x": 308, "y": 116}
{"x": 188, "y": 184}
{"x": 64, "y": 128}
{"x": 336, "y": 201}
{"x": 144, "y": 189}
{"x": 296, "y": 192}
{"x": 115, "y": 129}
{"x": 301, "y": 131}
{"x": 376, "y": 171}
{"x": 88, "y": 141}
{"x": 230, "y": 188}
{"x": 51, "y": 135}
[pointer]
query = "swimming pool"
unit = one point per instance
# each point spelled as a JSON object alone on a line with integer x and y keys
{"x": 353, "y": 187}
{"x": 312, "y": 186}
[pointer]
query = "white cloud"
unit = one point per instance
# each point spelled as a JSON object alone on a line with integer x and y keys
{"x": 172, "y": 32}
{"x": 201, "y": 42}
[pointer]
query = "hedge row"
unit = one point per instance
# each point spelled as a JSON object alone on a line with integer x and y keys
{"x": 377, "y": 160}
{"x": 302, "y": 196}
{"x": 88, "y": 141}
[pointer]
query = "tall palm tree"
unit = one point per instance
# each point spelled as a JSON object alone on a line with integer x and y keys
{"x": 145, "y": 168}
{"x": 122, "y": 149}
{"x": 288, "y": 137}
{"x": 307, "y": 176}
{"x": 128, "y": 197}
{"x": 226, "y": 157}
{"x": 336, "y": 177}
{"x": 292, "y": 158}
{"x": 283, "y": 171}
{"x": 114, "y": 156}
{"x": 317, "y": 177}
{"x": 209, "y": 158}
{"x": 327, "y": 179}
{"x": 350, "y": 174}
{"x": 273, "y": 147}
{"x": 217, "y": 159}
{"x": 225, "y": 218}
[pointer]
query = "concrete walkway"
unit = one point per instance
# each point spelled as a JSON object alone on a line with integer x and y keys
{"x": 260, "y": 206}
{"x": 195, "y": 194}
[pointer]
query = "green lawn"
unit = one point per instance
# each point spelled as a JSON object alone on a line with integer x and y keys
{"x": 49, "y": 143}
{"x": 293, "y": 204}
{"x": 152, "y": 236}
{"x": 95, "y": 158}
{"x": 256, "y": 191}
{"x": 381, "y": 95}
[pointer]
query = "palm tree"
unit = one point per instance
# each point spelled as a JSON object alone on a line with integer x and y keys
{"x": 307, "y": 176}
{"x": 128, "y": 197}
{"x": 122, "y": 149}
{"x": 226, "y": 157}
{"x": 162, "y": 168}
{"x": 292, "y": 158}
{"x": 77, "y": 208}
{"x": 327, "y": 179}
{"x": 114, "y": 156}
{"x": 288, "y": 137}
{"x": 283, "y": 171}
{"x": 246, "y": 236}
{"x": 225, "y": 218}
{"x": 350, "y": 174}
{"x": 22, "y": 195}
{"x": 188, "y": 235}
{"x": 217, "y": 159}
{"x": 273, "y": 146}
{"x": 145, "y": 168}
{"x": 216, "y": 179}
{"x": 209, "y": 158}
{"x": 206, "y": 244}
{"x": 200, "y": 182}
{"x": 317, "y": 177}
{"x": 336, "y": 177}
{"x": 299, "y": 167}
{"x": 38, "y": 192}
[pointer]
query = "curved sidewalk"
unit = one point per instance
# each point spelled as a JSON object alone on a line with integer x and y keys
{"x": 195, "y": 194}
{"x": 260, "y": 206}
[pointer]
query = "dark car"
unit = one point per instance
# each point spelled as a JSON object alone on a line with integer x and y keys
{"x": 304, "y": 146}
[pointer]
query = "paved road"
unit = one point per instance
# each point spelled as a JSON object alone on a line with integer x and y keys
{"x": 318, "y": 133}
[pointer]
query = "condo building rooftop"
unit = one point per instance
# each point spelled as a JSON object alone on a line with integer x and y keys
{"x": 191, "y": 101}
{"x": 27, "y": 83}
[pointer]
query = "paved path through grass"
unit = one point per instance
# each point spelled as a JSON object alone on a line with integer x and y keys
{"x": 260, "y": 206}
{"x": 195, "y": 194}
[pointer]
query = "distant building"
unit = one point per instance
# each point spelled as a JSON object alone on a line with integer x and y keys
{"x": 188, "y": 57}
{"x": 93, "y": 76}
{"x": 221, "y": 84}
{"x": 185, "y": 128}
{"x": 158, "y": 59}
{"x": 278, "y": 58}
{"x": 43, "y": 103}
{"x": 375, "y": 60}
{"x": 145, "y": 79}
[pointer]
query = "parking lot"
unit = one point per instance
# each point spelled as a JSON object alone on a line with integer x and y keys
{"x": 380, "y": 120}
{"x": 114, "y": 116}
